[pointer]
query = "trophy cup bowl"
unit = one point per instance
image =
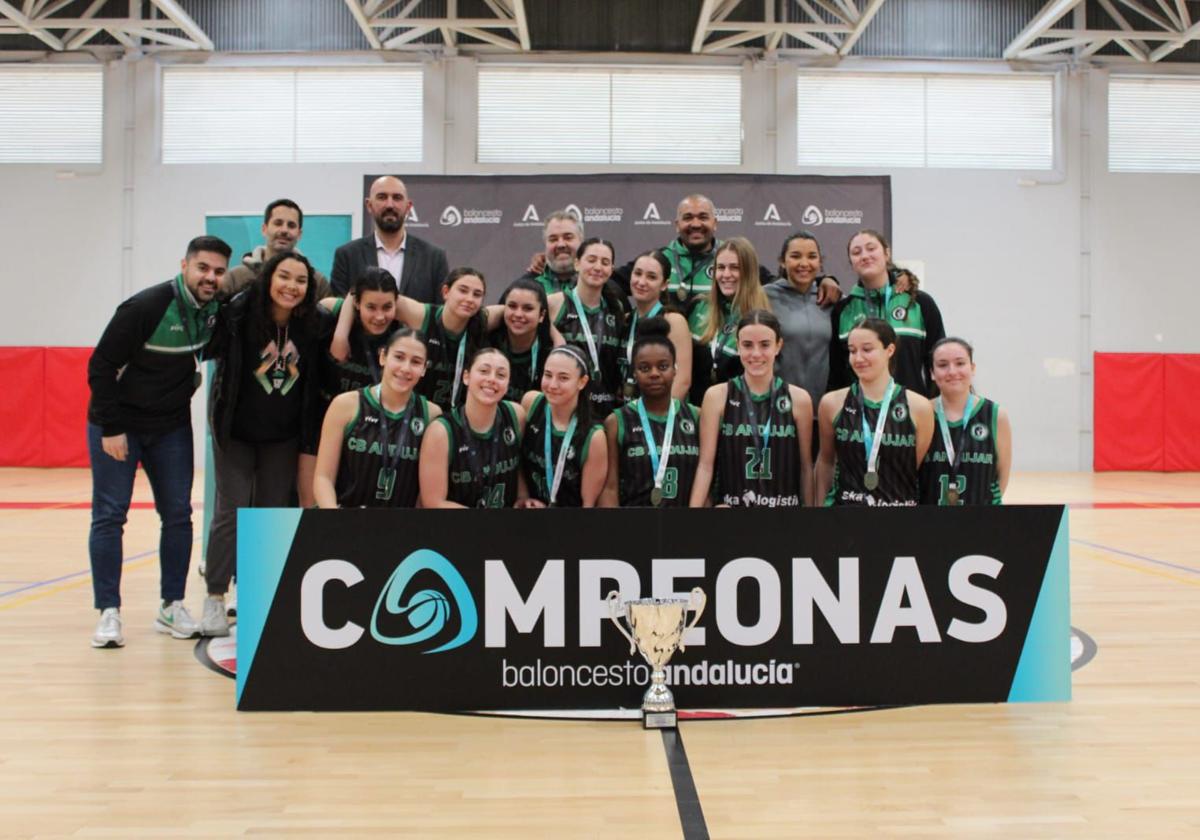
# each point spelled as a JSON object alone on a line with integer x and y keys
{"x": 656, "y": 629}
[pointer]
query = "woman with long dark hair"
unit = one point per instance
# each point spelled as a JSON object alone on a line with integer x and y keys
{"x": 524, "y": 335}
{"x": 371, "y": 437}
{"x": 912, "y": 314}
{"x": 648, "y": 288}
{"x": 969, "y": 460}
{"x": 471, "y": 456}
{"x": 875, "y": 433}
{"x": 591, "y": 316}
{"x": 264, "y": 396}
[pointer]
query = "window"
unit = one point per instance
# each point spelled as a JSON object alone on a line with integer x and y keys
{"x": 1153, "y": 124}
{"x": 596, "y": 115}
{"x": 282, "y": 115}
{"x": 51, "y": 115}
{"x": 902, "y": 120}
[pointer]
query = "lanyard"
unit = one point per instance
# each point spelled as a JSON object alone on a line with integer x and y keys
{"x": 659, "y": 465}
{"x": 718, "y": 339}
{"x": 953, "y": 449}
{"x": 633, "y": 330}
{"x": 873, "y": 440}
{"x": 533, "y": 356}
{"x": 554, "y": 475}
{"x": 765, "y": 442}
{"x": 391, "y": 461}
{"x": 587, "y": 332}
{"x": 458, "y": 367}
{"x": 886, "y": 294}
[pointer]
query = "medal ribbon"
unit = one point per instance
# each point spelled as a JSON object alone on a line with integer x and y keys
{"x": 458, "y": 367}
{"x": 392, "y": 461}
{"x": 554, "y": 475}
{"x": 953, "y": 448}
{"x": 658, "y": 465}
{"x": 587, "y": 331}
{"x": 872, "y": 441}
{"x": 633, "y": 330}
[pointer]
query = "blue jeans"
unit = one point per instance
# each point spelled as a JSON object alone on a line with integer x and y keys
{"x": 167, "y": 459}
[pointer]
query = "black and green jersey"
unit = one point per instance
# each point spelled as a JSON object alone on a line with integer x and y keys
{"x": 533, "y": 457}
{"x": 378, "y": 464}
{"x": 525, "y": 368}
{"x": 143, "y": 371}
{"x": 483, "y": 465}
{"x": 897, "y": 466}
{"x": 692, "y": 271}
{"x": 361, "y": 369}
{"x": 552, "y": 282}
{"x": 722, "y": 347}
{"x": 758, "y": 456}
{"x": 916, "y": 320}
{"x": 607, "y": 327}
{"x": 977, "y": 479}
{"x": 635, "y": 471}
{"x": 443, "y": 347}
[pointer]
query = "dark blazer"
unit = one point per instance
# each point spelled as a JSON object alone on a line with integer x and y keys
{"x": 425, "y": 267}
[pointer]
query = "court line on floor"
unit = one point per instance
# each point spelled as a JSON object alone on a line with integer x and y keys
{"x": 83, "y": 505}
{"x": 687, "y": 800}
{"x": 1143, "y": 569}
{"x": 73, "y": 580}
{"x": 1190, "y": 569}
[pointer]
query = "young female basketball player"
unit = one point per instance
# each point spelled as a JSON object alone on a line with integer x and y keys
{"x": 371, "y": 437}
{"x": 563, "y": 453}
{"x": 736, "y": 290}
{"x": 591, "y": 317}
{"x": 453, "y": 332}
{"x": 654, "y": 441}
{"x": 648, "y": 287}
{"x": 524, "y": 336}
{"x": 969, "y": 459}
{"x": 471, "y": 456}
{"x": 755, "y": 430}
{"x": 875, "y": 433}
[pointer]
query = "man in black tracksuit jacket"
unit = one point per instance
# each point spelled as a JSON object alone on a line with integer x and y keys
{"x": 142, "y": 376}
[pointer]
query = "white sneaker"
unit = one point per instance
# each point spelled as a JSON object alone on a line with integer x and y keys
{"x": 108, "y": 630}
{"x": 231, "y": 604}
{"x": 213, "y": 622}
{"x": 175, "y": 619}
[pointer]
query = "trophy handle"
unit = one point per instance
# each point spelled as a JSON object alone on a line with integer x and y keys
{"x": 697, "y": 600}
{"x": 615, "y": 611}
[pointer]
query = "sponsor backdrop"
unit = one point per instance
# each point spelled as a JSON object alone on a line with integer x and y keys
{"x": 377, "y": 610}
{"x": 494, "y": 223}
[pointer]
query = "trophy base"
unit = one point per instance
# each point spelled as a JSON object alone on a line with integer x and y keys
{"x": 659, "y": 720}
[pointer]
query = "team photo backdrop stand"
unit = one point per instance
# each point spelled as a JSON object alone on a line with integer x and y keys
{"x": 505, "y": 610}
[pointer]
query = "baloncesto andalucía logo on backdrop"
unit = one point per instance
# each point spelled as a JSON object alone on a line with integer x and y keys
{"x": 429, "y": 611}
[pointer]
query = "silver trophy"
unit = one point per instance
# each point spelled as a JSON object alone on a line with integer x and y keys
{"x": 656, "y": 629}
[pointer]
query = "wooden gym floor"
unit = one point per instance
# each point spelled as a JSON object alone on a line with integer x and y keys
{"x": 144, "y": 742}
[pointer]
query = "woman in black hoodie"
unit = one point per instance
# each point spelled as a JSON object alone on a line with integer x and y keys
{"x": 263, "y": 398}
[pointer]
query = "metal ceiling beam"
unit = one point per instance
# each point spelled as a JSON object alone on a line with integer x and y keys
{"x": 19, "y": 17}
{"x": 1041, "y": 23}
{"x": 518, "y": 7}
{"x": 860, "y": 26}
{"x": 184, "y": 21}
{"x": 1192, "y": 33}
{"x": 1153, "y": 17}
{"x": 1136, "y": 48}
{"x": 364, "y": 24}
{"x": 702, "y": 24}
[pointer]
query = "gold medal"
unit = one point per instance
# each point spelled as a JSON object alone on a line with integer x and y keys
{"x": 871, "y": 480}
{"x": 952, "y": 496}
{"x": 656, "y": 497}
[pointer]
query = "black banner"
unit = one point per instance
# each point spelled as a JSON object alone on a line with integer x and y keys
{"x": 494, "y": 222}
{"x": 493, "y": 610}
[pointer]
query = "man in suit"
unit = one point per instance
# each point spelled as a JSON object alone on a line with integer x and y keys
{"x": 420, "y": 269}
